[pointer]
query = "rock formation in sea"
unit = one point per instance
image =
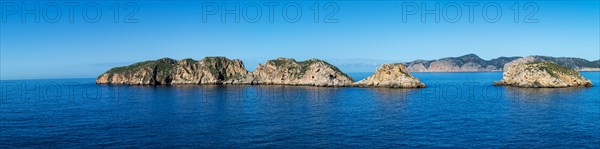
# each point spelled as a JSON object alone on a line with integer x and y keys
{"x": 210, "y": 70}
{"x": 391, "y": 76}
{"x": 313, "y": 72}
{"x": 472, "y": 63}
{"x": 541, "y": 75}
{"x": 288, "y": 71}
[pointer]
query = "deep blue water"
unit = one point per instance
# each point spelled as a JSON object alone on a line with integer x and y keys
{"x": 457, "y": 110}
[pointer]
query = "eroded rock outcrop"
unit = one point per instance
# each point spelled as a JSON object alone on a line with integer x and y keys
{"x": 210, "y": 70}
{"x": 541, "y": 75}
{"x": 312, "y": 72}
{"x": 392, "y": 76}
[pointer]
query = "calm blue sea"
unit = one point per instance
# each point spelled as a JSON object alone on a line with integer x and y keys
{"x": 457, "y": 110}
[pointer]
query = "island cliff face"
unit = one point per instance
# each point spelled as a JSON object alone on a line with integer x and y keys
{"x": 312, "y": 72}
{"x": 210, "y": 70}
{"x": 391, "y": 76}
{"x": 541, "y": 75}
{"x": 148, "y": 72}
{"x": 220, "y": 70}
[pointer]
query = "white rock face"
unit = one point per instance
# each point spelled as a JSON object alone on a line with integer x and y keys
{"x": 392, "y": 76}
{"x": 541, "y": 75}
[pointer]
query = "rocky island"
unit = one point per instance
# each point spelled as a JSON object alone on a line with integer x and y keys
{"x": 165, "y": 71}
{"x": 541, "y": 75}
{"x": 311, "y": 72}
{"x": 391, "y": 76}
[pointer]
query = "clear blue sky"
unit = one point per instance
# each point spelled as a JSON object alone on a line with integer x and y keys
{"x": 366, "y": 34}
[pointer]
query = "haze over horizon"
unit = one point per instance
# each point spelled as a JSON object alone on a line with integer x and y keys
{"x": 365, "y": 34}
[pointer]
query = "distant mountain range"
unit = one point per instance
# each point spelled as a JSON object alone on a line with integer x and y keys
{"x": 473, "y": 63}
